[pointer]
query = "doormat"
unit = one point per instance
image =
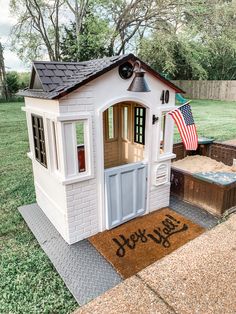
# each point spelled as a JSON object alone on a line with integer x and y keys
{"x": 144, "y": 240}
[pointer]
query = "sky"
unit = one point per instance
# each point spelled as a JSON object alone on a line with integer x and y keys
{"x": 12, "y": 62}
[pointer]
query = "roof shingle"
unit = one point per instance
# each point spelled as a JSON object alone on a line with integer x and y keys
{"x": 60, "y": 78}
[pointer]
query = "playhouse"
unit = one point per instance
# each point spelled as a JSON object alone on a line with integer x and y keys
{"x": 100, "y": 142}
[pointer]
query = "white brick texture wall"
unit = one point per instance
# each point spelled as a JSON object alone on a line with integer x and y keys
{"x": 74, "y": 208}
{"x": 78, "y": 102}
{"x": 81, "y": 197}
{"x": 82, "y": 216}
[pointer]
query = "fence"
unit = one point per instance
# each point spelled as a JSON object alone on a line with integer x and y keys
{"x": 218, "y": 90}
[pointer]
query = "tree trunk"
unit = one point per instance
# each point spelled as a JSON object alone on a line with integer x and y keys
{"x": 3, "y": 80}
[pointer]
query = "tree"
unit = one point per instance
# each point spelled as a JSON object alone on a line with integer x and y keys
{"x": 79, "y": 9}
{"x": 39, "y": 28}
{"x": 3, "y": 81}
{"x": 23, "y": 79}
{"x": 12, "y": 82}
{"x": 37, "y": 31}
{"x": 199, "y": 43}
{"x": 131, "y": 20}
{"x": 217, "y": 35}
{"x": 92, "y": 42}
{"x": 175, "y": 56}
{"x": 184, "y": 39}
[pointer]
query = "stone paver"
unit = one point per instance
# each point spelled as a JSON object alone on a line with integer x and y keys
{"x": 199, "y": 277}
{"x": 131, "y": 296}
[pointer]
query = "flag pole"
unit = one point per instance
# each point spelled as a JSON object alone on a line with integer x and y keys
{"x": 186, "y": 103}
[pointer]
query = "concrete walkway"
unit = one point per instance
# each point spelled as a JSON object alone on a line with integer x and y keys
{"x": 199, "y": 277}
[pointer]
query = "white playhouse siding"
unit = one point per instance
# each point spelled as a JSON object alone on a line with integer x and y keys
{"x": 51, "y": 198}
{"x": 82, "y": 210}
{"x": 82, "y": 197}
{"x": 85, "y": 201}
{"x": 75, "y": 203}
{"x": 50, "y": 193}
{"x": 160, "y": 197}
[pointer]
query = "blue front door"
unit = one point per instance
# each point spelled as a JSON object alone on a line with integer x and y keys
{"x": 125, "y": 191}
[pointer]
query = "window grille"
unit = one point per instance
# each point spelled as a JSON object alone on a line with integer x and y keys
{"x": 39, "y": 140}
{"x": 139, "y": 125}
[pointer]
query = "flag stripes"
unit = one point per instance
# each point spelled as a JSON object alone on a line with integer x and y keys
{"x": 184, "y": 120}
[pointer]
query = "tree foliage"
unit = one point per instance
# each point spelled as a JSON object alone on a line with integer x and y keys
{"x": 23, "y": 79}
{"x": 12, "y": 82}
{"x": 37, "y": 31}
{"x": 175, "y": 56}
{"x": 92, "y": 43}
{"x": 183, "y": 39}
{"x": 16, "y": 81}
{"x": 218, "y": 35}
{"x": 201, "y": 44}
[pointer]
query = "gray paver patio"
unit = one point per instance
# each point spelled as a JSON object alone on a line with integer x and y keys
{"x": 199, "y": 278}
{"x": 194, "y": 213}
{"x": 84, "y": 270}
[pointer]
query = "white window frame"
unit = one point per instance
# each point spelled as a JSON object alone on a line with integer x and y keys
{"x": 167, "y": 136}
{"x": 88, "y": 146}
{"x": 53, "y": 146}
{"x": 163, "y": 132}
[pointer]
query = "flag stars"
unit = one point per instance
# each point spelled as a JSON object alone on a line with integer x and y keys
{"x": 187, "y": 114}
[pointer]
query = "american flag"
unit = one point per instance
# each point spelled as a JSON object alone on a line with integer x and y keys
{"x": 184, "y": 120}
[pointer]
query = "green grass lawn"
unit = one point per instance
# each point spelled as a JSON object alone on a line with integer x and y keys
{"x": 28, "y": 281}
{"x": 214, "y": 118}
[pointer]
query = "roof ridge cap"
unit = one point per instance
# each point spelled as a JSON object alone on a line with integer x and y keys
{"x": 58, "y": 62}
{"x": 85, "y": 61}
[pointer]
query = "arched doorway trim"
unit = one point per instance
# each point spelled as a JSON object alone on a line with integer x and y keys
{"x": 102, "y": 218}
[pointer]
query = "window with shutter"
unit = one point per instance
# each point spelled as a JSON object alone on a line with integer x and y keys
{"x": 39, "y": 140}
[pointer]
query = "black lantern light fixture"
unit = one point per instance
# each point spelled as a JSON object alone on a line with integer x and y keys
{"x": 139, "y": 83}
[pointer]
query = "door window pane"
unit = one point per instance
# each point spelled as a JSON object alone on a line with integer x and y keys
{"x": 139, "y": 125}
{"x": 125, "y": 122}
{"x": 111, "y": 123}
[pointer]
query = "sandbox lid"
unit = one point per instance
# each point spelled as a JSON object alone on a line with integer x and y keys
{"x": 221, "y": 178}
{"x": 205, "y": 140}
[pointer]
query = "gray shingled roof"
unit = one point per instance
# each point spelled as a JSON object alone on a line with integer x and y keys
{"x": 59, "y": 78}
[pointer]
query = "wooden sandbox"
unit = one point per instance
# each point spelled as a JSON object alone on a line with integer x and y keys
{"x": 212, "y": 196}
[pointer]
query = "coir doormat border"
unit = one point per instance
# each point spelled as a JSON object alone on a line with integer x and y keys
{"x": 138, "y": 243}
